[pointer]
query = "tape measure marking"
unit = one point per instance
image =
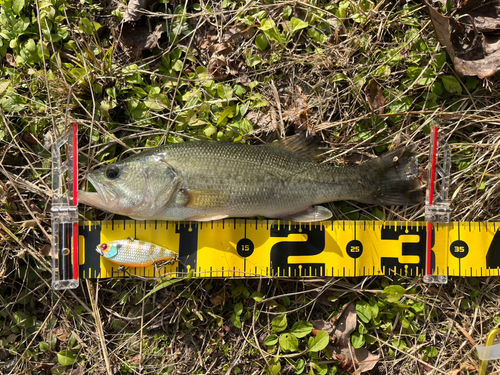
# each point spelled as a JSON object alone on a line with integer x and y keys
{"x": 252, "y": 248}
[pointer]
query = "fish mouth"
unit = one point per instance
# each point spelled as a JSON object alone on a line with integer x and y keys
{"x": 103, "y": 198}
{"x": 99, "y": 251}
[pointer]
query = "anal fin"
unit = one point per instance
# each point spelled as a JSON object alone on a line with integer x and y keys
{"x": 208, "y": 217}
{"x": 316, "y": 213}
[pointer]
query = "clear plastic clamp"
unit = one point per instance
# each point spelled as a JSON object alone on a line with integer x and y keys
{"x": 437, "y": 206}
{"x": 65, "y": 211}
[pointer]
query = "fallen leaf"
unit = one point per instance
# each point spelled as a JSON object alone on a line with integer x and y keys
{"x": 46, "y": 250}
{"x": 297, "y": 111}
{"x": 137, "y": 37}
{"x": 263, "y": 122}
{"x": 61, "y": 334}
{"x": 464, "y": 366}
{"x": 221, "y": 48}
{"x": 11, "y": 60}
{"x": 218, "y": 300}
{"x": 4, "y": 354}
{"x": 154, "y": 38}
{"x": 78, "y": 370}
{"x": 133, "y": 12}
{"x": 375, "y": 97}
{"x": 29, "y": 138}
{"x": 322, "y": 325}
{"x": 217, "y": 67}
{"x": 344, "y": 324}
{"x": 365, "y": 361}
{"x": 470, "y": 36}
{"x": 345, "y": 362}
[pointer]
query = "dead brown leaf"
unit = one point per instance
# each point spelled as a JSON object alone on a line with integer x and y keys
{"x": 345, "y": 325}
{"x": 365, "y": 361}
{"x": 223, "y": 48}
{"x": 375, "y": 97}
{"x": 218, "y": 300}
{"x": 217, "y": 67}
{"x": 464, "y": 366}
{"x": 345, "y": 362}
{"x": 137, "y": 37}
{"x": 354, "y": 361}
{"x": 133, "y": 12}
{"x": 11, "y": 60}
{"x": 297, "y": 111}
{"x": 471, "y": 36}
{"x": 154, "y": 38}
{"x": 61, "y": 334}
{"x": 78, "y": 370}
{"x": 4, "y": 354}
{"x": 46, "y": 250}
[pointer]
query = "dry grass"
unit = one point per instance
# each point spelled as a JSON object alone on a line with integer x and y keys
{"x": 187, "y": 328}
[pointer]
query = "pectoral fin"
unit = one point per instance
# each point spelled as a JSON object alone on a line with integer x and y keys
{"x": 316, "y": 213}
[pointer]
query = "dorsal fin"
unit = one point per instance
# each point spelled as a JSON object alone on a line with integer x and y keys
{"x": 301, "y": 145}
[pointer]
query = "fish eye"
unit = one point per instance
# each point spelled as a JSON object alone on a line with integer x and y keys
{"x": 104, "y": 246}
{"x": 112, "y": 172}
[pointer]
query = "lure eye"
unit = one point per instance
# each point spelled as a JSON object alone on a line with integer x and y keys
{"x": 112, "y": 172}
{"x": 104, "y": 246}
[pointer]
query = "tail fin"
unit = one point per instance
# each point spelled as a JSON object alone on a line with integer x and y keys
{"x": 393, "y": 177}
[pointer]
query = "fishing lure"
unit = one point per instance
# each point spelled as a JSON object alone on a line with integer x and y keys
{"x": 134, "y": 253}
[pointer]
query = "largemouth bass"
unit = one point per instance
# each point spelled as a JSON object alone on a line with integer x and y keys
{"x": 209, "y": 180}
{"x": 134, "y": 253}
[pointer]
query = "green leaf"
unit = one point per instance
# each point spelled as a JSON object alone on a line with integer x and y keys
{"x": 279, "y": 323}
{"x": 298, "y": 24}
{"x": 319, "y": 342}
{"x": 261, "y": 42}
{"x": 267, "y": 24}
{"x": 164, "y": 283}
{"x": 87, "y": 26}
{"x": 394, "y": 293}
{"x": 364, "y": 311}
{"x": 20, "y": 318}
{"x": 321, "y": 369}
{"x": 301, "y": 329}
{"x": 239, "y": 90}
{"x": 431, "y": 352}
{"x": 253, "y": 60}
{"x": 257, "y": 296}
{"x": 339, "y": 77}
{"x": 317, "y": 36}
{"x": 235, "y": 319}
{"x": 451, "y": 84}
{"x": 357, "y": 340}
{"x": 374, "y": 308}
{"x": 378, "y": 214}
{"x": 238, "y": 308}
{"x": 300, "y": 366}
{"x": 289, "y": 343}
{"x": 274, "y": 366}
{"x": 4, "y": 85}
{"x": 17, "y": 6}
{"x": 271, "y": 340}
{"x": 67, "y": 357}
{"x": 157, "y": 102}
{"x": 44, "y": 347}
{"x": 471, "y": 83}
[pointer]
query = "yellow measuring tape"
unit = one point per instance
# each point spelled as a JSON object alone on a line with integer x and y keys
{"x": 249, "y": 248}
